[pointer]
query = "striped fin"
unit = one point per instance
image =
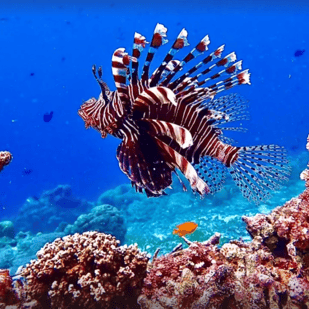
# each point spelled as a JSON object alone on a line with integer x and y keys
{"x": 120, "y": 65}
{"x": 236, "y": 79}
{"x": 138, "y": 46}
{"x": 180, "y": 42}
{"x": 233, "y": 106}
{"x": 158, "y": 39}
{"x": 216, "y": 54}
{"x": 140, "y": 159}
{"x": 158, "y": 127}
{"x": 155, "y": 96}
{"x": 212, "y": 172}
{"x": 223, "y": 62}
{"x": 230, "y": 70}
{"x": 171, "y": 65}
{"x": 259, "y": 169}
{"x": 199, "y": 49}
{"x": 176, "y": 160}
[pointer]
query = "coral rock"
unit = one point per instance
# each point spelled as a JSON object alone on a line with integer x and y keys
{"x": 5, "y": 159}
{"x": 103, "y": 218}
{"x": 7, "y": 294}
{"x": 86, "y": 270}
{"x": 7, "y": 229}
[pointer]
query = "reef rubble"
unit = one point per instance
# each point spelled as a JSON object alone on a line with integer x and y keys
{"x": 91, "y": 270}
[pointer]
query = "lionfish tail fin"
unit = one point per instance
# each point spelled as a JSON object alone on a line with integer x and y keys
{"x": 259, "y": 169}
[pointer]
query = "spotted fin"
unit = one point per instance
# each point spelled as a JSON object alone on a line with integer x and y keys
{"x": 259, "y": 169}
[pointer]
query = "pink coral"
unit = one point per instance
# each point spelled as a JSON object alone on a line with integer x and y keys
{"x": 5, "y": 159}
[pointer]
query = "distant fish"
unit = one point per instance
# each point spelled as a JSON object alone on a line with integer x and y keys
{"x": 185, "y": 228}
{"x": 31, "y": 74}
{"x": 299, "y": 53}
{"x": 169, "y": 122}
{"x": 48, "y": 116}
{"x": 26, "y": 171}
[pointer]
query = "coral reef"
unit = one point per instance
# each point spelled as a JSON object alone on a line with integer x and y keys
{"x": 20, "y": 249}
{"x": 149, "y": 221}
{"x": 86, "y": 270}
{"x": 92, "y": 270}
{"x": 50, "y": 210}
{"x": 103, "y": 218}
{"x": 272, "y": 271}
{"x": 7, "y": 229}
{"x": 5, "y": 159}
{"x": 7, "y": 293}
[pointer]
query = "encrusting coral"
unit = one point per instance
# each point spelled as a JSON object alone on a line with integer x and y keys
{"x": 91, "y": 271}
{"x": 5, "y": 159}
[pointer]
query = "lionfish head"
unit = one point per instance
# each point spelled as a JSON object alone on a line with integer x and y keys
{"x": 87, "y": 112}
{"x": 91, "y": 109}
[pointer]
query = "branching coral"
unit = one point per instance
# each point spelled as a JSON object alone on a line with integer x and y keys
{"x": 86, "y": 270}
{"x": 5, "y": 159}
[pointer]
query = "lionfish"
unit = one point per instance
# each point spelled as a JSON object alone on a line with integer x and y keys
{"x": 170, "y": 121}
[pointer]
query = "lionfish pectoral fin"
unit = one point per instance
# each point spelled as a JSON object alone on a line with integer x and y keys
{"x": 211, "y": 171}
{"x": 178, "y": 133}
{"x": 227, "y": 109}
{"x": 176, "y": 160}
{"x": 141, "y": 161}
{"x": 259, "y": 169}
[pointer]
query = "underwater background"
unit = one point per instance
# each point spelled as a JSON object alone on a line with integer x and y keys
{"x": 61, "y": 171}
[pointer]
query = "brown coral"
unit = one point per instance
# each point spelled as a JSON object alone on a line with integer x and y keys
{"x": 5, "y": 159}
{"x": 7, "y": 294}
{"x": 86, "y": 270}
{"x": 305, "y": 174}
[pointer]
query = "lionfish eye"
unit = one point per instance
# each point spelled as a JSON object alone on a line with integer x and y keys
{"x": 102, "y": 84}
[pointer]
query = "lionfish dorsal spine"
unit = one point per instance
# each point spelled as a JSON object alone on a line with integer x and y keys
{"x": 138, "y": 46}
{"x": 158, "y": 39}
{"x": 184, "y": 80}
{"x": 180, "y": 42}
{"x": 199, "y": 49}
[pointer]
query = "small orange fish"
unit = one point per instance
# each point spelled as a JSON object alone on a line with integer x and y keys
{"x": 185, "y": 228}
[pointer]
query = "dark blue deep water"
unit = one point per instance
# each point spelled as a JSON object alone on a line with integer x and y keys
{"x": 46, "y": 55}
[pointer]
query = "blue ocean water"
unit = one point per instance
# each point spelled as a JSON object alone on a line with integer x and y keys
{"x": 46, "y": 55}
